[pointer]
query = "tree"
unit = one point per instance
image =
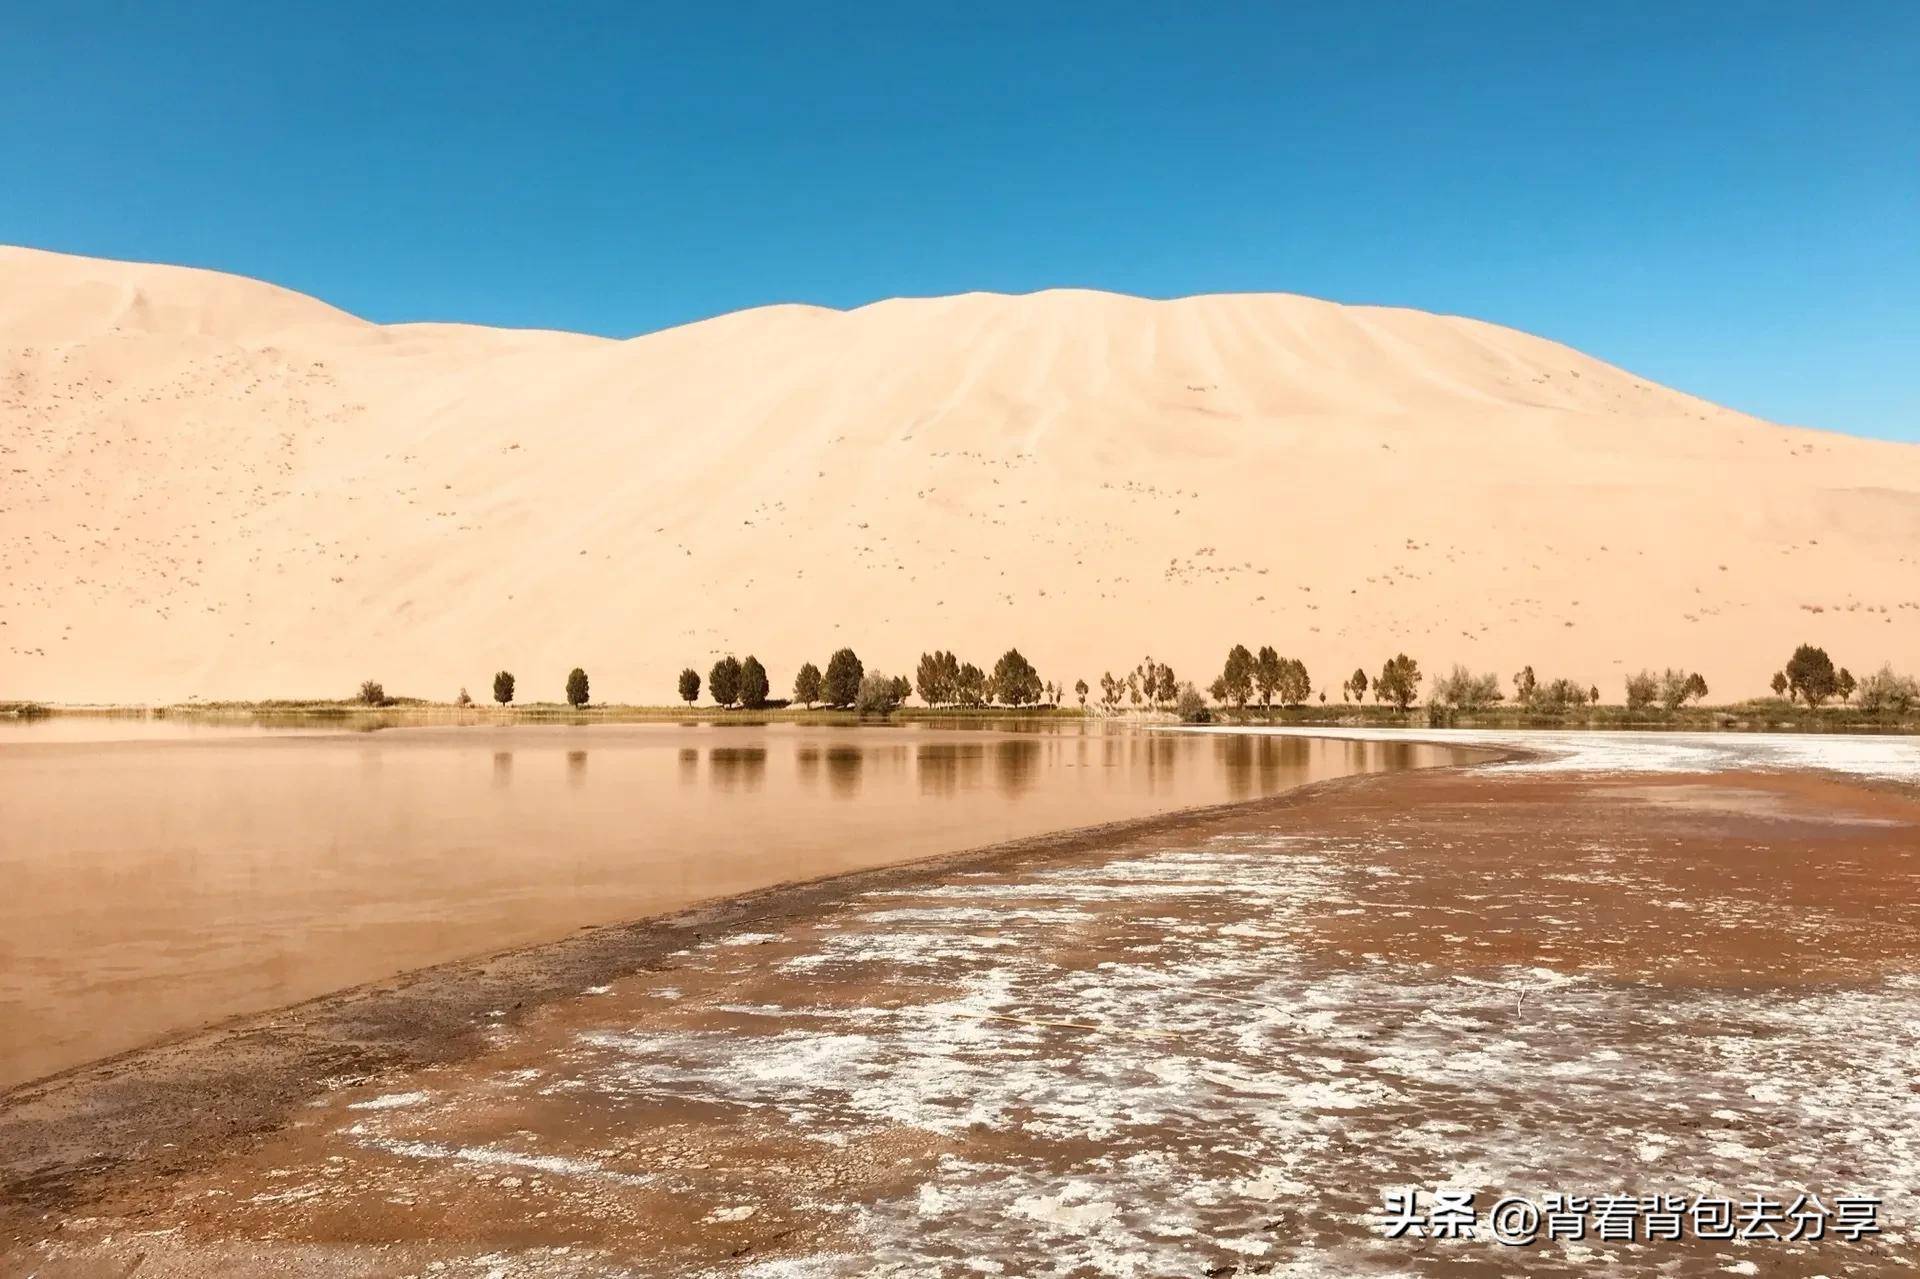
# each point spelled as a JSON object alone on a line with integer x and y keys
{"x": 1779, "y": 684}
{"x": 1593, "y": 694}
{"x": 842, "y": 684}
{"x": 1697, "y": 687}
{"x": 970, "y": 685}
{"x": 503, "y": 687}
{"x": 1844, "y": 684}
{"x": 1358, "y": 683}
{"x": 935, "y": 677}
{"x": 1295, "y": 686}
{"x": 1525, "y": 686}
{"x": 372, "y": 694}
{"x": 1556, "y": 695}
{"x": 1810, "y": 673}
{"x": 877, "y": 694}
{"x": 1462, "y": 689}
{"x": 1642, "y": 690}
{"x": 1168, "y": 689}
{"x": 723, "y": 681}
{"x": 1191, "y": 707}
{"x": 901, "y": 690}
{"x": 464, "y": 699}
{"x": 576, "y": 687}
{"x": 1237, "y": 676}
{"x": 1885, "y": 691}
{"x": 753, "y": 683}
{"x": 1080, "y": 691}
{"x": 1015, "y": 682}
{"x": 1266, "y": 673}
{"x": 806, "y": 685}
{"x": 1399, "y": 681}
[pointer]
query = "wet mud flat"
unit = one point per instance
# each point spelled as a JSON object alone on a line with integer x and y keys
{"x": 1201, "y": 1046}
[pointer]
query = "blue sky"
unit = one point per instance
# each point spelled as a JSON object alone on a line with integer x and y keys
{"x": 1725, "y": 197}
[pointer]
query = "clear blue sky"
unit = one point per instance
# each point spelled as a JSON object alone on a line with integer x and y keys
{"x": 1725, "y": 197}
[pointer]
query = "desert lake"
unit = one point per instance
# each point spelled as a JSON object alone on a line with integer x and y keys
{"x": 164, "y": 875}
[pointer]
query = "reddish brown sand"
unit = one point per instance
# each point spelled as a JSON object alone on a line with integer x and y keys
{"x": 1195, "y": 1046}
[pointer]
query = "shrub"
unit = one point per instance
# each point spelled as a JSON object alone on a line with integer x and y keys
{"x": 877, "y": 694}
{"x": 806, "y": 685}
{"x": 1192, "y": 707}
{"x": 1642, "y": 690}
{"x": 1399, "y": 681}
{"x": 1560, "y": 694}
{"x": 753, "y": 683}
{"x": 503, "y": 687}
{"x": 842, "y": 684}
{"x": 371, "y": 694}
{"x": 1810, "y": 673}
{"x": 1462, "y": 689}
{"x": 1677, "y": 686}
{"x": 723, "y": 681}
{"x": 1885, "y": 692}
{"x": 576, "y": 687}
{"x": 689, "y": 686}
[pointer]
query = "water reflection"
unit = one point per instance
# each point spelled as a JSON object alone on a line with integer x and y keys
{"x": 157, "y": 884}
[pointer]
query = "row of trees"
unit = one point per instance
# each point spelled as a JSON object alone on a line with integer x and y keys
{"x": 942, "y": 679}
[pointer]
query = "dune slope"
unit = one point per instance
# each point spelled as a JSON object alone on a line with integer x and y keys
{"x": 218, "y": 488}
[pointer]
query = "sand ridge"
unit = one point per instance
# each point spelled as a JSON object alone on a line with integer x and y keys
{"x": 215, "y": 487}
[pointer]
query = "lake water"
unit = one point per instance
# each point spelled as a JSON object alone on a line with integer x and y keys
{"x": 160, "y": 876}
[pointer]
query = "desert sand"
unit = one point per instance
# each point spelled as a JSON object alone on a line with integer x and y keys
{"x": 218, "y": 488}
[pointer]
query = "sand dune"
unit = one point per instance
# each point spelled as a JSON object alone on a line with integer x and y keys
{"x": 217, "y": 488}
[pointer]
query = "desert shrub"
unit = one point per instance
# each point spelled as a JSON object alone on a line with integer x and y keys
{"x": 806, "y": 685}
{"x": 1885, "y": 692}
{"x": 1399, "y": 682}
{"x": 1810, "y": 674}
{"x": 689, "y": 686}
{"x": 877, "y": 694}
{"x": 503, "y": 687}
{"x": 371, "y": 694}
{"x": 1560, "y": 694}
{"x": 1191, "y": 707}
{"x": 842, "y": 684}
{"x": 1462, "y": 689}
{"x": 576, "y": 687}
{"x": 1642, "y": 690}
{"x": 753, "y": 683}
{"x": 723, "y": 681}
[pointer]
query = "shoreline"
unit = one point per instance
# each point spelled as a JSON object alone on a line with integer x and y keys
{"x": 262, "y": 1066}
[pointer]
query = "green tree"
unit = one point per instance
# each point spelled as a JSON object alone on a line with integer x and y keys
{"x": 753, "y": 683}
{"x": 1399, "y": 681}
{"x": 1015, "y": 682}
{"x": 1266, "y": 673}
{"x": 842, "y": 684}
{"x": 970, "y": 686}
{"x": 1697, "y": 687}
{"x": 1080, "y": 691}
{"x": 1464, "y": 690}
{"x": 503, "y": 687}
{"x": 689, "y": 686}
{"x": 1295, "y": 685}
{"x": 934, "y": 678}
{"x": 1237, "y": 676}
{"x": 576, "y": 687}
{"x": 1642, "y": 690}
{"x": 1844, "y": 684}
{"x": 372, "y": 694}
{"x": 1358, "y": 683}
{"x": 1810, "y": 673}
{"x": 877, "y": 694}
{"x": 1779, "y": 684}
{"x": 723, "y": 681}
{"x": 806, "y": 685}
{"x": 1525, "y": 686}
